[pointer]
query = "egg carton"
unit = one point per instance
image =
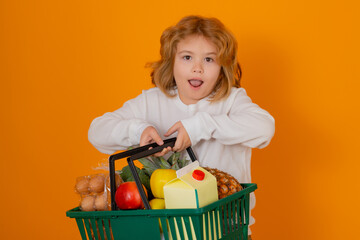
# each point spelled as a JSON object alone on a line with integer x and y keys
{"x": 94, "y": 191}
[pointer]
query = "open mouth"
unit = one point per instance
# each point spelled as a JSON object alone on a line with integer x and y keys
{"x": 195, "y": 82}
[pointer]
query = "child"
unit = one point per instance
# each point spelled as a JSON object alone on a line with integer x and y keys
{"x": 197, "y": 98}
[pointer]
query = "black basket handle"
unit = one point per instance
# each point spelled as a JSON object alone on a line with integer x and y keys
{"x": 133, "y": 155}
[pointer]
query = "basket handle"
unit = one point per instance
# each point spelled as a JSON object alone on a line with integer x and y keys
{"x": 133, "y": 155}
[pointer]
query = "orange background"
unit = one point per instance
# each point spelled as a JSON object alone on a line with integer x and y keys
{"x": 63, "y": 63}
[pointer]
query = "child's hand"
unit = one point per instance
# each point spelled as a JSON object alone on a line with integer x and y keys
{"x": 150, "y": 135}
{"x": 183, "y": 140}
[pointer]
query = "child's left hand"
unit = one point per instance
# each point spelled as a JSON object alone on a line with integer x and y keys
{"x": 183, "y": 140}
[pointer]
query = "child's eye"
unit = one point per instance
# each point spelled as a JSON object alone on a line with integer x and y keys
{"x": 187, "y": 57}
{"x": 209, "y": 59}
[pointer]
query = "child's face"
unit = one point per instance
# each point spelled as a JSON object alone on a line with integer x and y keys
{"x": 196, "y": 70}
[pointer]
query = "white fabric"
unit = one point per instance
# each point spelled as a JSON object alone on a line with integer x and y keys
{"x": 222, "y": 133}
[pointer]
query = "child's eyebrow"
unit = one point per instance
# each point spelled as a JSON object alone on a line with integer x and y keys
{"x": 185, "y": 51}
{"x": 211, "y": 53}
{"x": 190, "y": 52}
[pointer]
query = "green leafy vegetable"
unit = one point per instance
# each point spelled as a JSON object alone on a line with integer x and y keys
{"x": 127, "y": 176}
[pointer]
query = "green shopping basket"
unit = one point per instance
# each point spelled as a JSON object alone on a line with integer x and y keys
{"x": 227, "y": 218}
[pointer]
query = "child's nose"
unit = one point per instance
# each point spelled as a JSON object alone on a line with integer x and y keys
{"x": 198, "y": 68}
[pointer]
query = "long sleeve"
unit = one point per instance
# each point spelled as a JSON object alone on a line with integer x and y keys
{"x": 243, "y": 123}
{"x": 119, "y": 129}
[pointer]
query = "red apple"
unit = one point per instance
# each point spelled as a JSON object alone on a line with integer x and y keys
{"x": 127, "y": 196}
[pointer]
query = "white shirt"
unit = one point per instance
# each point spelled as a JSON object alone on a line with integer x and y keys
{"x": 221, "y": 133}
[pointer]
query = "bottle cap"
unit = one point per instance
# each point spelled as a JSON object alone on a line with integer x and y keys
{"x": 198, "y": 175}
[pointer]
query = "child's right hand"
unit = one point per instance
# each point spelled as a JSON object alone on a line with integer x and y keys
{"x": 150, "y": 135}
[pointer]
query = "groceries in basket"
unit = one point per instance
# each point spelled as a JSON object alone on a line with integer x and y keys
{"x": 185, "y": 188}
{"x": 169, "y": 183}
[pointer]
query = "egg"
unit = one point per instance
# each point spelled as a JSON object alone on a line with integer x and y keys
{"x": 82, "y": 185}
{"x": 88, "y": 203}
{"x": 97, "y": 183}
{"x": 100, "y": 202}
